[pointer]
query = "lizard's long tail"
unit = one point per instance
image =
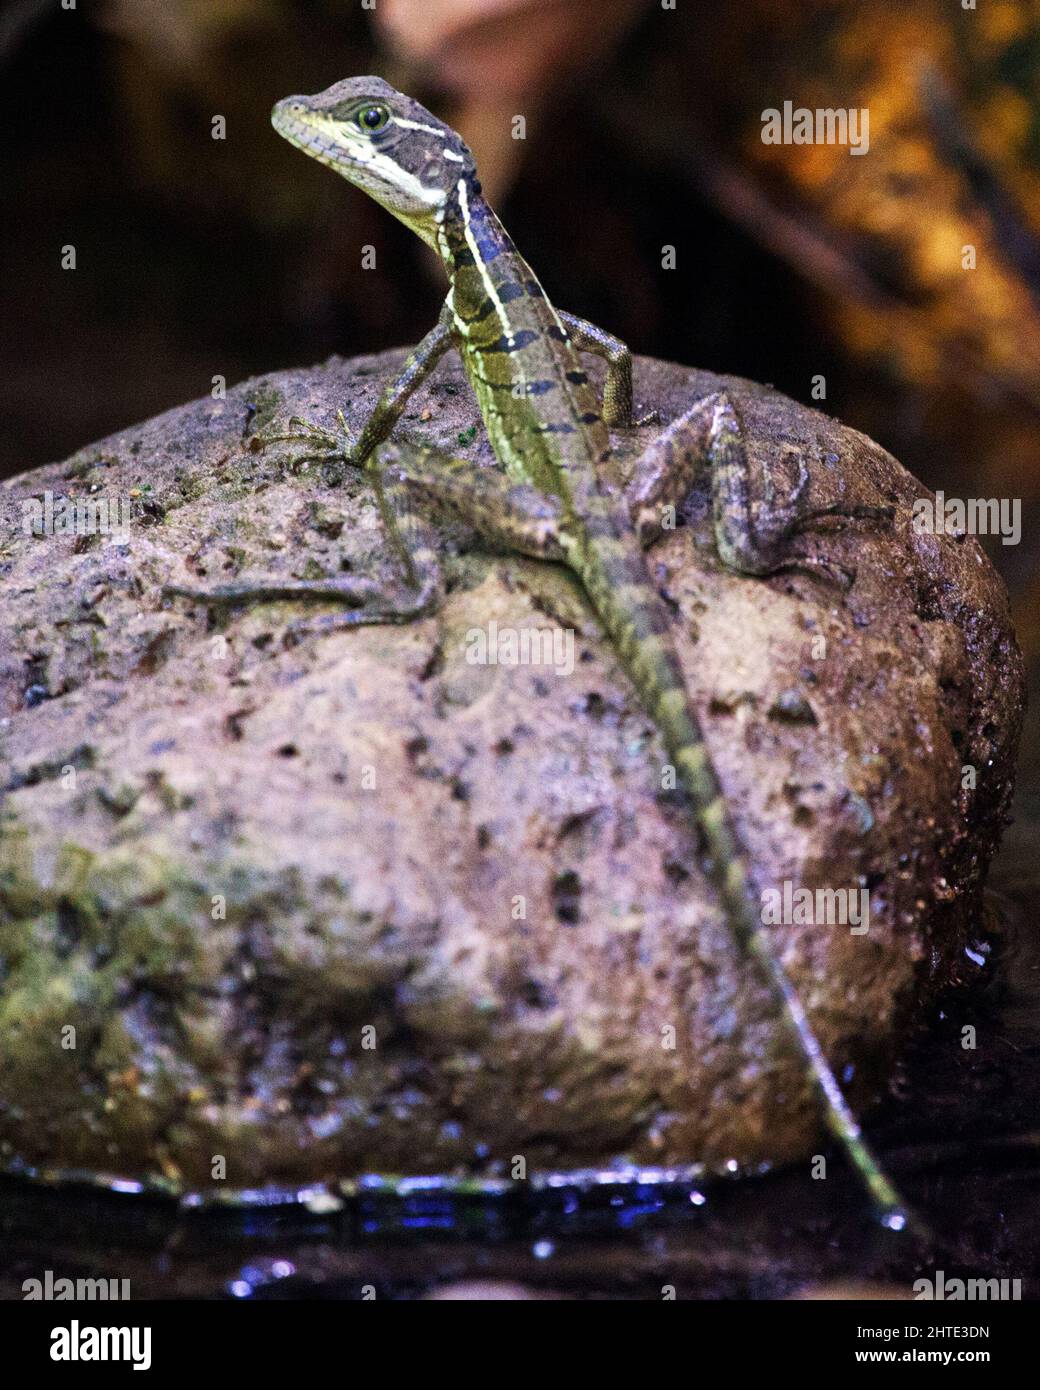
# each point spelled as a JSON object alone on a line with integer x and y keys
{"x": 614, "y": 573}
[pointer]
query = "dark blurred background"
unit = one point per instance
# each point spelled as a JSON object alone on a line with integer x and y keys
{"x": 198, "y": 257}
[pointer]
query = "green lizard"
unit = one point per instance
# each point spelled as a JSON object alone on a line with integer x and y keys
{"x": 551, "y": 437}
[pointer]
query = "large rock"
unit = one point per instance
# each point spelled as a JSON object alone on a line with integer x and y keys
{"x": 226, "y": 855}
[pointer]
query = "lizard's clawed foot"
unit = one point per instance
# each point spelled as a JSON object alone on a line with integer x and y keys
{"x": 362, "y": 601}
{"x": 844, "y": 511}
{"x": 827, "y": 570}
{"x": 324, "y": 443}
{"x": 405, "y": 607}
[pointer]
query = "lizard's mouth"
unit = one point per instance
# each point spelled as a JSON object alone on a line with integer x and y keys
{"x": 295, "y": 122}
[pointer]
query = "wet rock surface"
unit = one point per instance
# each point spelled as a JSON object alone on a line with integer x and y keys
{"x": 351, "y": 903}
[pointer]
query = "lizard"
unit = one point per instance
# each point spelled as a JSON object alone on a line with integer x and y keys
{"x": 551, "y": 436}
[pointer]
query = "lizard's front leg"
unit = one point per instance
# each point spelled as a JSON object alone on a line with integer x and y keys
{"x": 617, "y": 391}
{"x": 754, "y": 526}
{"x": 387, "y": 412}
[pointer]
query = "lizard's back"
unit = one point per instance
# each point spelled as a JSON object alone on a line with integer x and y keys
{"x": 541, "y": 410}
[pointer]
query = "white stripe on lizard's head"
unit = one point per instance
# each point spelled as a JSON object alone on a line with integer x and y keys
{"x": 384, "y": 142}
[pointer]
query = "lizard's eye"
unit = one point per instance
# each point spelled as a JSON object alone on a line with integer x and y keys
{"x": 373, "y": 117}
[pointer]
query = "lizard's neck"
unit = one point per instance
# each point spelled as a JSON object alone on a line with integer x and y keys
{"x": 473, "y": 245}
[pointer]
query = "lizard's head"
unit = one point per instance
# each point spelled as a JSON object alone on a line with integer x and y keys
{"x": 382, "y": 141}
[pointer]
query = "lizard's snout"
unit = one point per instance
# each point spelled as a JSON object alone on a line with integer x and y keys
{"x": 288, "y": 109}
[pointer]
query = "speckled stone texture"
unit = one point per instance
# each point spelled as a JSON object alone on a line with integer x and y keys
{"x": 226, "y": 855}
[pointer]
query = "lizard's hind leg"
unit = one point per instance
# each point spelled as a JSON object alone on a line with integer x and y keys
{"x": 754, "y": 525}
{"x": 408, "y": 482}
{"x": 363, "y": 600}
{"x": 666, "y": 469}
